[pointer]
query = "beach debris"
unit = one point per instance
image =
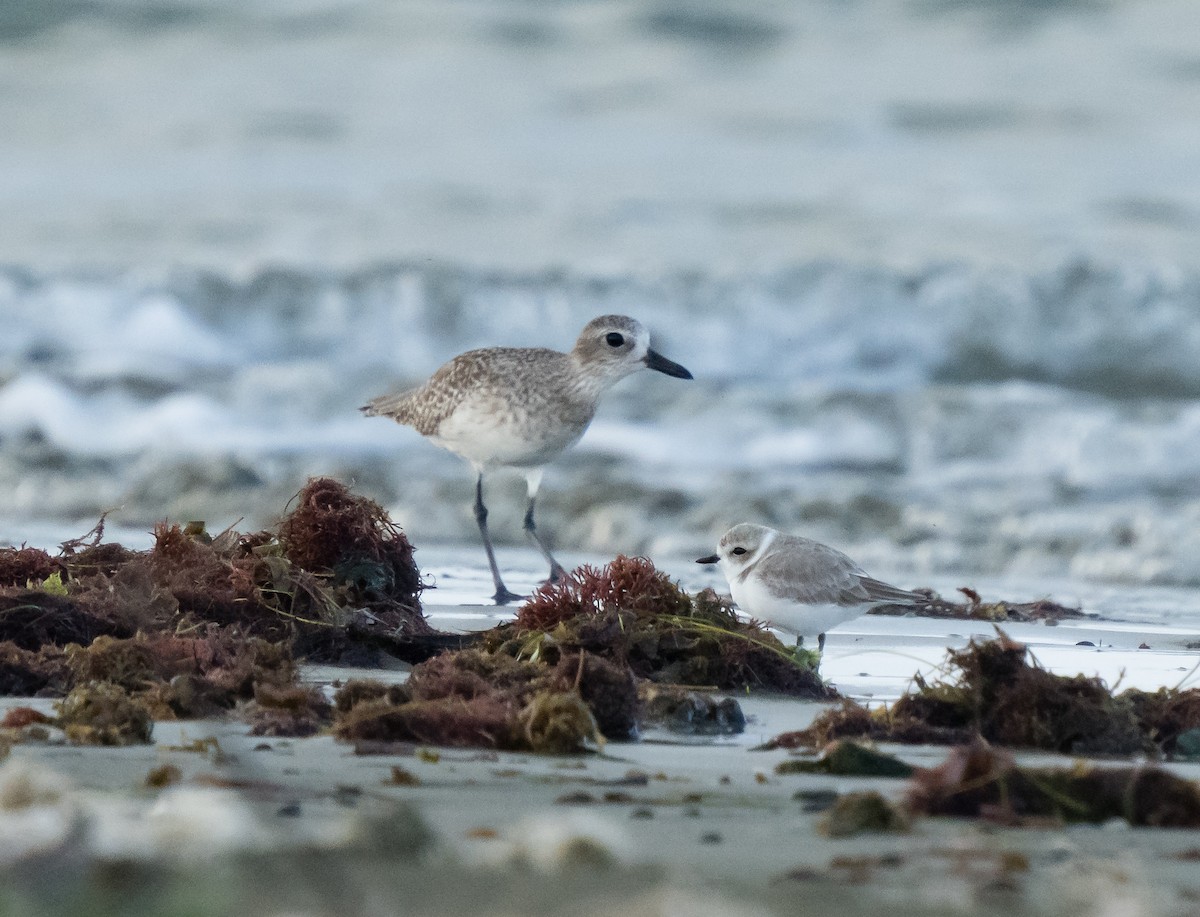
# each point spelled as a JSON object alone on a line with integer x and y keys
{"x": 33, "y": 673}
{"x": 186, "y": 676}
{"x": 558, "y": 723}
{"x": 23, "y": 566}
{"x": 291, "y": 711}
{"x": 478, "y": 699}
{"x": 634, "y": 615}
{"x": 687, "y": 712}
{"x": 32, "y": 619}
{"x": 975, "y": 609}
{"x": 565, "y": 675}
{"x": 979, "y": 781}
{"x": 482, "y": 722}
{"x": 355, "y": 691}
{"x": 206, "y": 624}
{"x": 402, "y": 777}
{"x": 163, "y": 776}
{"x": 1170, "y": 718}
{"x": 336, "y": 560}
{"x": 992, "y": 689}
{"x": 21, "y": 717}
{"x": 861, "y": 812}
{"x": 848, "y": 759}
{"x": 104, "y": 714}
{"x": 202, "y": 625}
{"x": 350, "y": 539}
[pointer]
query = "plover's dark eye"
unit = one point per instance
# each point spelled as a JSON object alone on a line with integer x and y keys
{"x": 613, "y": 339}
{"x": 739, "y": 551}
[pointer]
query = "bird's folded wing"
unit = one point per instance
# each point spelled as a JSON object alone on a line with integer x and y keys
{"x": 819, "y": 576}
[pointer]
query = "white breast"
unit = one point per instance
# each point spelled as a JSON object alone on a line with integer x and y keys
{"x": 491, "y": 434}
{"x": 799, "y": 618}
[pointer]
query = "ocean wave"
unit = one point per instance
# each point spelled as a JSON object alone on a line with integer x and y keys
{"x": 972, "y": 419}
{"x": 1114, "y": 331}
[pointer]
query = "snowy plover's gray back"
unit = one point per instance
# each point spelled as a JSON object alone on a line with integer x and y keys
{"x": 797, "y": 584}
{"x": 520, "y": 407}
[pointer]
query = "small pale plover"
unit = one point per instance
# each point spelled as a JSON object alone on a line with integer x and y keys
{"x": 797, "y": 584}
{"x": 520, "y": 407}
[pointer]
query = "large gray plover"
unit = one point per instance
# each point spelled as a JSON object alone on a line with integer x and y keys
{"x": 520, "y": 407}
{"x": 797, "y": 584}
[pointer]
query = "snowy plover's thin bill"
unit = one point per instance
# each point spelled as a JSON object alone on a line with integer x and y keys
{"x": 797, "y": 584}
{"x": 519, "y": 407}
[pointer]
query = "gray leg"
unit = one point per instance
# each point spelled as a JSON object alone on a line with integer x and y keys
{"x": 533, "y": 478}
{"x": 820, "y": 642}
{"x": 556, "y": 570}
{"x": 502, "y": 596}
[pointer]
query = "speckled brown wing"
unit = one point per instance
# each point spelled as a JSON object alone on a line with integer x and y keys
{"x": 514, "y": 383}
{"x": 425, "y": 407}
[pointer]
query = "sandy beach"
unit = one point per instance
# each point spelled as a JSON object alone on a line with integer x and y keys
{"x": 664, "y": 825}
{"x": 935, "y": 268}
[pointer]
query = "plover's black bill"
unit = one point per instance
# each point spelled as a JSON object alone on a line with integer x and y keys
{"x": 711, "y": 559}
{"x": 656, "y": 361}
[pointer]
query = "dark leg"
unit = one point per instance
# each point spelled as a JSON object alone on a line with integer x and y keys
{"x": 556, "y": 570}
{"x": 502, "y": 596}
{"x": 820, "y": 642}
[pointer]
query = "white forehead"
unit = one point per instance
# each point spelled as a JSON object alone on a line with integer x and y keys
{"x": 622, "y": 324}
{"x": 745, "y": 534}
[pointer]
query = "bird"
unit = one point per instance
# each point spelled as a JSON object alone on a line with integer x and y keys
{"x": 799, "y": 585}
{"x": 520, "y": 407}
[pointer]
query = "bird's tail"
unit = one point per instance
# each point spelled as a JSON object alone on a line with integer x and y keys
{"x": 883, "y": 592}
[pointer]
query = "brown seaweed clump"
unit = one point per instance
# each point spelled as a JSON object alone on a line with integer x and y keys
{"x": 473, "y": 698}
{"x": 1166, "y": 716}
{"x": 25, "y": 566}
{"x": 975, "y": 609}
{"x": 848, "y": 759}
{"x": 31, "y": 619}
{"x": 33, "y": 673}
{"x": 184, "y": 677}
{"x": 993, "y": 691}
{"x": 104, "y": 714}
{"x": 294, "y": 711}
{"x": 636, "y": 616}
{"x": 350, "y": 538}
{"x": 978, "y": 781}
{"x": 567, "y": 673}
{"x": 194, "y": 601}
